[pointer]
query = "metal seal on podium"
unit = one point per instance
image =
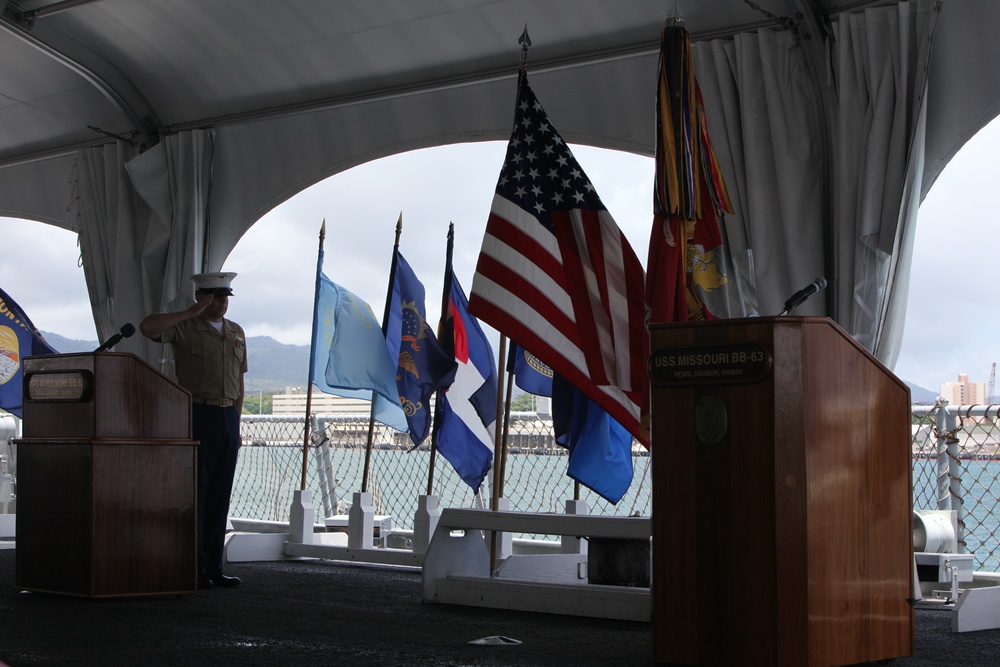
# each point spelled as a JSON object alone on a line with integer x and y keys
{"x": 711, "y": 420}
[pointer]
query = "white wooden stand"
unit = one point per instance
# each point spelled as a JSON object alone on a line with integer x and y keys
{"x": 300, "y": 541}
{"x": 974, "y": 608}
{"x": 457, "y": 565}
{"x": 8, "y": 523}
{"x": 977, "y": 609}
{"x": 425, "y": 520}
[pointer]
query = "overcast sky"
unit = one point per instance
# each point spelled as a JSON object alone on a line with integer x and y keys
{"x": 951, "y": 324}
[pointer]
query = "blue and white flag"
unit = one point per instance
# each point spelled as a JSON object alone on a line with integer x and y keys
{"x": 350, "y": 355}
{"x": 465, "y": 429}
{"x": 18, "y": 339}
{"x": 423, "y": 367}
{"x": 600, "y": 449}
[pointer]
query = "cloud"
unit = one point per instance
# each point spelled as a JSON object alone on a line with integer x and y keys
{"x": 40, "y": 271}
{"x": 952, "y": 324}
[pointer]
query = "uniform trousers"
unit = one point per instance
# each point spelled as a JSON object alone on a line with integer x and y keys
{"x": 218, "y": 432}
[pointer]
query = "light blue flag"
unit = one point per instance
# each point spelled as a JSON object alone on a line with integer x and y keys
{"x": 350, "y": 355}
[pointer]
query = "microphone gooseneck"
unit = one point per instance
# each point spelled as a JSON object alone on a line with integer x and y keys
{"x": 127, "y": 330}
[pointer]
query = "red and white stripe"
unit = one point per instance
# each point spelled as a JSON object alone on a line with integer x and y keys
{"x": 574, "y": 298}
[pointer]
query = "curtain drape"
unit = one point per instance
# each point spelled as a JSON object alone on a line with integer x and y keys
{"x": 881, "y": 64}
{"x": 143, "y": 221}
{"x": 112, "y": 221}
{"x": 174, "y": 179}
{"x": 766, "y": 123}
{"x": 824, "y": 173}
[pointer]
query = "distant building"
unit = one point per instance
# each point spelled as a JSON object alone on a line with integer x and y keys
{"x": 293, "y": 402}
{"x": 964, "y": 392}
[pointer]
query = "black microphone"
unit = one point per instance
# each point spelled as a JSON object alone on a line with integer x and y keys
{"x": 804, "y": 294}
{"x": 126, "y": 331}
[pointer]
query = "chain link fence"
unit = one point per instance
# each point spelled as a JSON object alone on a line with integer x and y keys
{"x": 956, "y": 466}
{"x": 271, "y": 464}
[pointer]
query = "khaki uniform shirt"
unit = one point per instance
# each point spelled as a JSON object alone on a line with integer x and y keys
{"x": 208, "y": 364}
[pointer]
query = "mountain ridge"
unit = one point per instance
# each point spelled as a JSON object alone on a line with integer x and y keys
{"x": 273, "y": 365}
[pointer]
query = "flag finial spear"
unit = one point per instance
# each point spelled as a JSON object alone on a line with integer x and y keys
{"x": 525, "y": 42}
{"x": 674, "y": 19}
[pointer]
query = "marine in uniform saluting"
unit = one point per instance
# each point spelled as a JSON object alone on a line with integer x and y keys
{"x": 211, "y": 359}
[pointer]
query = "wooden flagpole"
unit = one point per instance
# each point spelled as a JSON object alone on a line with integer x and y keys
{"x": 385, "y": 323}
{"x": 312, "y": 361}
{"x": 506, "y": 424}
{"x": 499, "y": 450}
{"x": 439, "y": 394}
{"x": 498, "y": 441}
{"x": 500, "y": 436}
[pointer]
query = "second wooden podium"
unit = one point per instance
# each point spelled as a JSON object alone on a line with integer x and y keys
{"x": 782, "y": 529}
{"x": 107, "y": 478}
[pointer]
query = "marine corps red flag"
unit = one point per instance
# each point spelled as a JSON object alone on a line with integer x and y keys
{"x": 685, "y": 270}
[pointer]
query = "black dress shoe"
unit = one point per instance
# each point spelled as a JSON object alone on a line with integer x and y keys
{"x": 226, "y": 582}
{"x": 204, "y": 581}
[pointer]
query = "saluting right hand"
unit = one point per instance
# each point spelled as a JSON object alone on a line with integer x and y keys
{"x": 202, "y": 301}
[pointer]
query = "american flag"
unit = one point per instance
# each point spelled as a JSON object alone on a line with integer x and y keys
{"x": 557, "y": 275}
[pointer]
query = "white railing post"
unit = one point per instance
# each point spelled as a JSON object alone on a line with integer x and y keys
{"x": 505, "y": 540}
{"x": 568, "y": 543}
{"x": 942, "y": 420}
{"x": 425, "y": 522}
{"x": 300, "y": 518}
{"x": 361, "y": 521}
{"x": 955, "y": 473}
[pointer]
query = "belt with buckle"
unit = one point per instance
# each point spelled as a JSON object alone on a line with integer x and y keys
{"x": 217, "y": 402}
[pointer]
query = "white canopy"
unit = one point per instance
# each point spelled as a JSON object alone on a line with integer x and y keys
{"x": 161, "y": 131}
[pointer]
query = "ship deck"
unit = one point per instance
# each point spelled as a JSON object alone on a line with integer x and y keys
{"x": 315, "y": 612}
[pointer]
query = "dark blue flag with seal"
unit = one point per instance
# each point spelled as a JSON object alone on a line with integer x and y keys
{"x": 18, "y": 339}
{"x": 530, "y": 374}
{"x": 423, "y": 366}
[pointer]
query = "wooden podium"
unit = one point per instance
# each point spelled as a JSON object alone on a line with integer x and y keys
{"x": 107, "y": 478}
{"x": 782, "y": 512}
